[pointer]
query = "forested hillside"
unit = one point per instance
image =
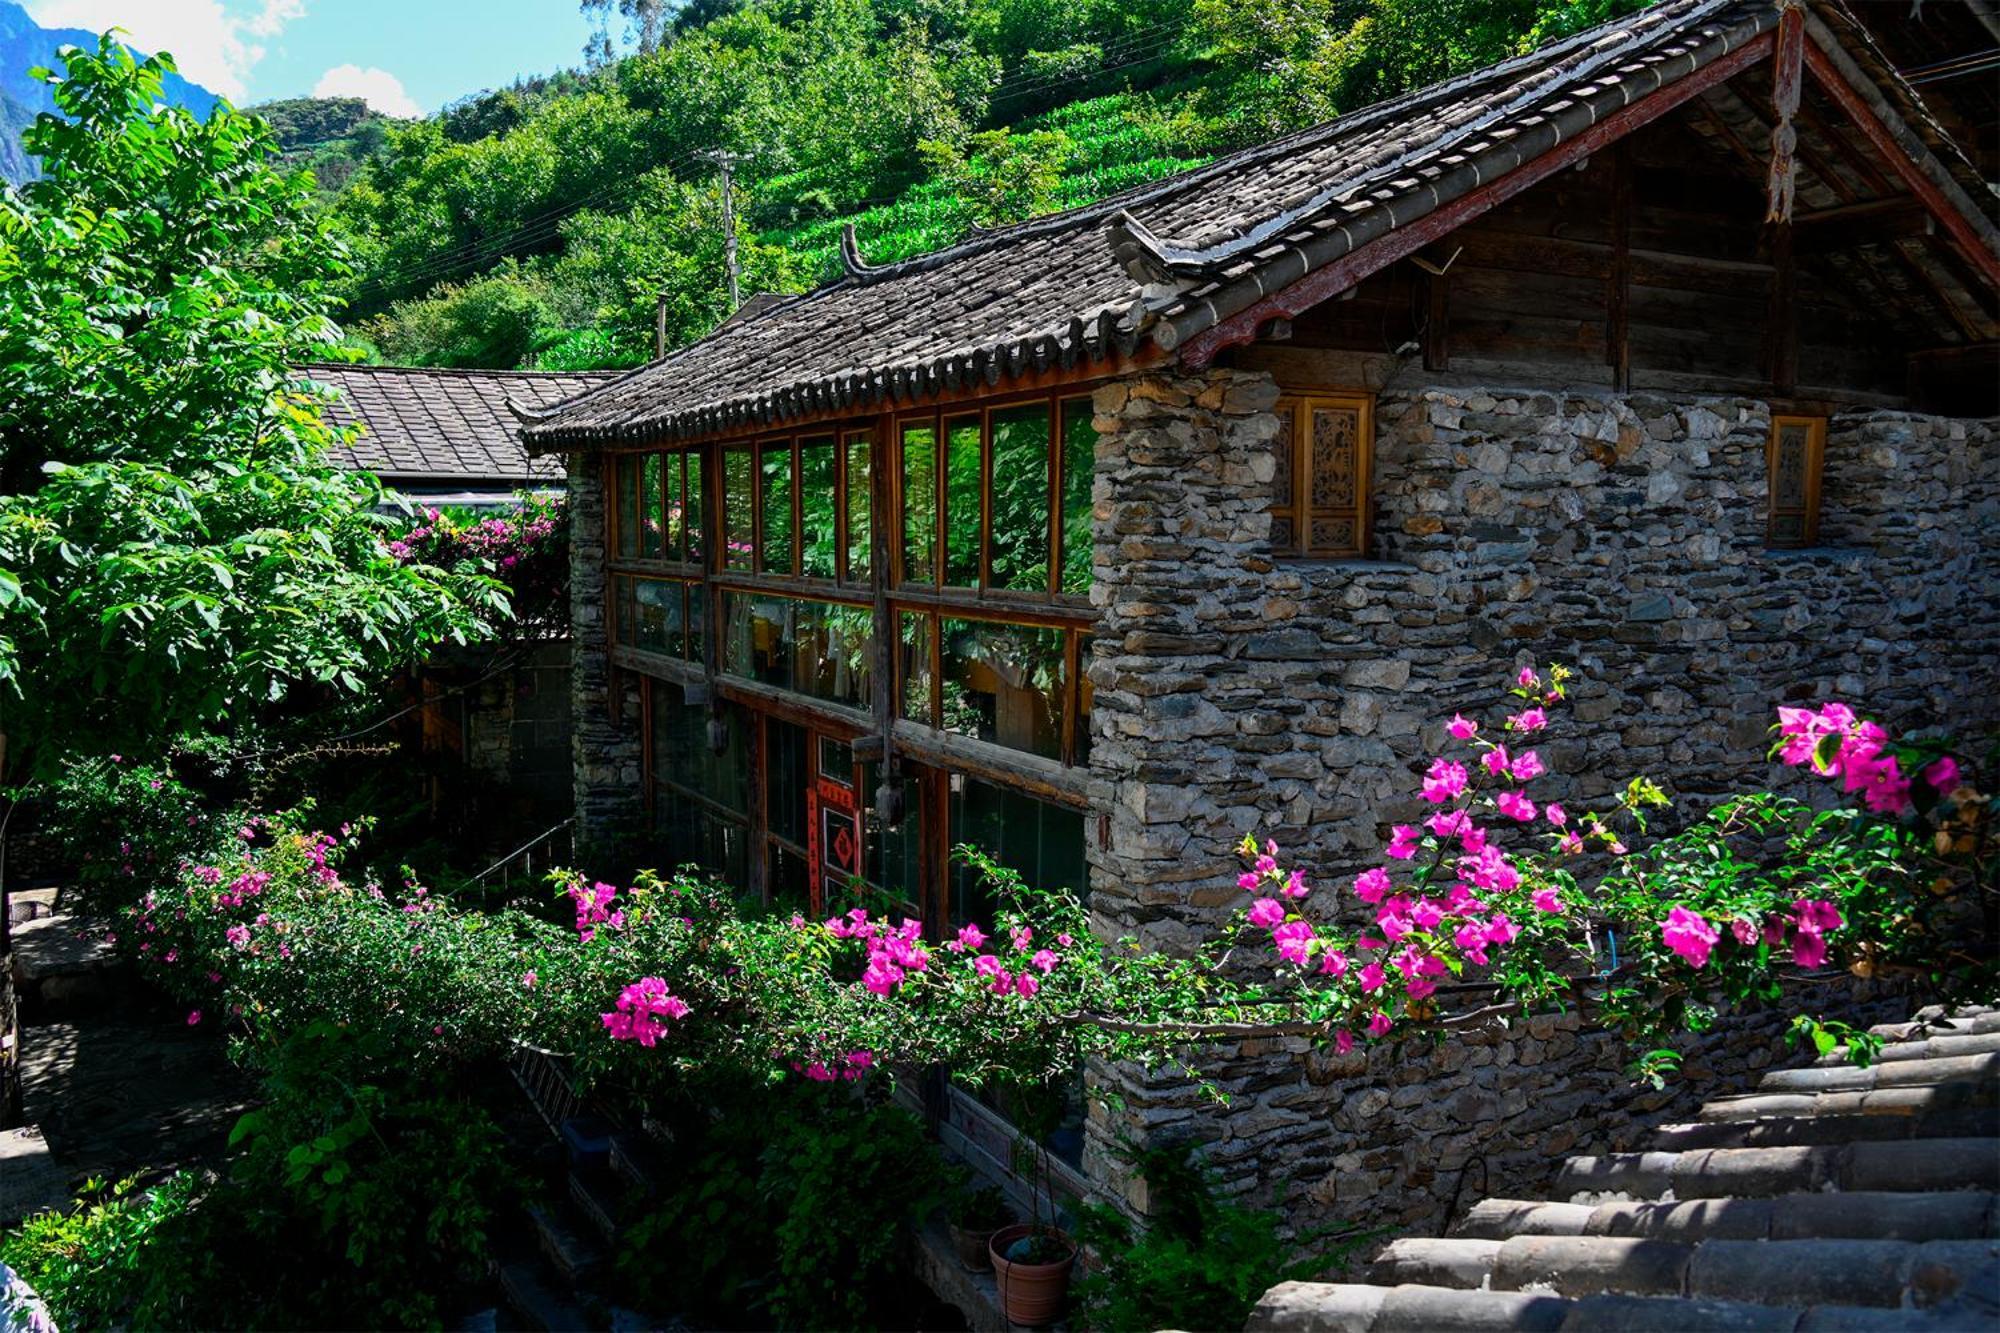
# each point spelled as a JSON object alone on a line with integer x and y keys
{"x": 540, "y": 224}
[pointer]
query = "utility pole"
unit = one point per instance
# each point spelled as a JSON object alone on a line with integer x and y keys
{"x": 727, "y": 161}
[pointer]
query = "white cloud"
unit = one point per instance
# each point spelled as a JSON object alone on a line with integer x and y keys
{"x": 377, "y": 87}
{"x": 216, "y": 43}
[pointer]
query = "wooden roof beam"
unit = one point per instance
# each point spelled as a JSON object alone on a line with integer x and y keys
{"x": 1325, "y": 283}
{"x": 1850, "y": 226}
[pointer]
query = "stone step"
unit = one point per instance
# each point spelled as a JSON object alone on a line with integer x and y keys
{"x": 31, "y": 905}
{"x": 1861, "y": 1215}
{"x": 1808, "y": 1131}
{"x": 564, "y": 1240}
{"x": 1927, "y": 1048}
{"x": 1908, "y": 1101}
{"x": 598, "y": 1197}
{"x": 1977, "y": 1069}
{"x": 635, "y": 1161}
{"x": 64, "y": 963}
{"x": 1708, "y": 1173}
{"x": 1808, "y": 1272}
{"x": 540, "y": 1305}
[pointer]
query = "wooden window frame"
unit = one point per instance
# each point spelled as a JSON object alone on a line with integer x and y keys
{"x": 1300, "y": 404}
{"x": 1808, "y": 513}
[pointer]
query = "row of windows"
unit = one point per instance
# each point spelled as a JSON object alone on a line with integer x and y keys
{"x": 995, "y": 500}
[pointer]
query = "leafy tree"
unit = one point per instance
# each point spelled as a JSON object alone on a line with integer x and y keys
{"x": 174, "y": 547}
{"x": 493, "y": 320}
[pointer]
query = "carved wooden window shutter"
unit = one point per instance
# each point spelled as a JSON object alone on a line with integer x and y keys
{"x": 1796, "y": 453}
{"x": 1320, "y": 495}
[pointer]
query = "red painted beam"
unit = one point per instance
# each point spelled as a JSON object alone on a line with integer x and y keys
{"x": 1955, "y": 225}
{"x": 1351, "y": 268}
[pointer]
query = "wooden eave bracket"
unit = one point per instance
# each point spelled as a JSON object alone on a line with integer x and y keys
{"x": 850, "y": 255}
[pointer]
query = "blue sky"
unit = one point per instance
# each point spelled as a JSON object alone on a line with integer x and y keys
{"x": 405, "y": 56}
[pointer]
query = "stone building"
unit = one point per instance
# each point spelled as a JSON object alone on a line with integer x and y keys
{"x": 1666, "y": 351}
{"x": 496, "y": 724}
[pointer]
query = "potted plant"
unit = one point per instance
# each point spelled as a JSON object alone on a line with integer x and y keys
{"x": 974, "y": 1216}
{"x": 1032, "y": 1260}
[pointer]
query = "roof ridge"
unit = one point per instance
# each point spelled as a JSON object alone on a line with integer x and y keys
{"x": 462, "y": 372}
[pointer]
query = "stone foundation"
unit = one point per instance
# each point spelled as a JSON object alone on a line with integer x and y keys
{"x": 609, "y": 798}
{"x": 1300, "y": 700}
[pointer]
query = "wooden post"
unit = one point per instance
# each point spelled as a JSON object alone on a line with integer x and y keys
{"x": 1618, "y": 285}
{"x": 1787, "y": 77}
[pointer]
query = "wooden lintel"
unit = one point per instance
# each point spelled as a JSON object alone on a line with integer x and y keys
{"x": 1831, "y": 230}
{"x": 1787, "y": 77}
{"x": 1325, "y": 283}
{"x": 1956, "y": 226}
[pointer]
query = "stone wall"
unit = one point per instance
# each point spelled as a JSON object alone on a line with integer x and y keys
{"x": 605, "y": 754}
{"x": 1300, "y": 700}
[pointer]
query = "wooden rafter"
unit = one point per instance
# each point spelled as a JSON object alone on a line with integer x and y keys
{"x": 1787, "y": 75}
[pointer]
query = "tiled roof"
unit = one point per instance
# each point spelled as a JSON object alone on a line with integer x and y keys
{"x": 1834, "y": 1197}
{"x": 1156, "y": 265}
{"x": 443, "y": 426}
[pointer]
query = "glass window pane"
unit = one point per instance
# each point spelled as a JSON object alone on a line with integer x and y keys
{"x": 961, "y": 507}
{"x": 915, "y": 671}
{"x": 681, "y": 753}
{"x": 1004, "y": 684}
{"x": 738, "y": 474}
{"x": 676, "y": 544}
{"x": 656, "y": 613}
{"x": 652, "y": 489}
{"x": 697, "y": 617}
{"x": 1020, "y": 542}
{"x": 776, "y": 507}
{"x": 785, "y": 779}
{"x": 1043, "y": 843}
{"x": 627, "y": 485}
{"x": 812, "y": 648}
{"x": 786, "y": 881}
{"x": 893, "y": 869}
{"x": 696, "y": 517}
{"x": 1079, "y": 443}
{"x": 836, "y": 761}
{"x": 860, "y": 508}
{"x": 1085, "y": 692}
{"x": 819, "y": 536}
{"x": 621, "y": 595}
{"x": 920, "y": 504}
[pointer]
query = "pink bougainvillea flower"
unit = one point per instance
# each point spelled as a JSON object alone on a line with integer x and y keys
{"x": 1045, "y": 960}
{"x": 1689, "y": 935}
{"x": 1379, "y": 1024}
{"x": 1426, "y": 914}
{"x": 1420, "y": 988}
{"x": 1294, "y": 941}
{"x": 1026, "y": 984}
{"x": 194, "y": 1017}
{"x": 1295, "y": 885}
{"x": 1266, "y": 912}
{"x": 1942, "y": 775}
{"x": 1809, "y": 948}
{"x": 1444, "y": 781}
{"x": 1744, "y": 929}
{"x": 528, "y": 979}
{"x": 1527, "y": 679}
{"x": 1372, "y": 977}
{"x": 1249, "y": 880}
{"x": 1817, "y": 914}
{"x": 1555, "y": 814}
{"x": 1473, "y": 839}
{"x": 1343, "y": 1041}
{"x": 1333, "y": 963}
{"x": 987, "y": 965}
{"x": 1371, "y": 885}
{"x": 1022, "y": 938}
{"x": 971, "y": 936}
{"x": 1528, "y": 721}
{"x": 1527, "y": 767}
{"x": 1449, "y": 823}
{"x": 1471, "y": 940}
{"x": 1774, "y": 931}
{"x": 1501, "y": 930}
{"x": 1402, "y": 842}
{"x": 1497, "y": 761}
{"x": 1545, "y": 900}
{"x": 1368, "y": 942}
{"x": 1461, "y": 727}
{"x": 1391, "y": 921}
{"x": 1515, "y": 806}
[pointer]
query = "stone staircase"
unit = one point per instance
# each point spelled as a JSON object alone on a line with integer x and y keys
{"x": 1832, "y": 1197}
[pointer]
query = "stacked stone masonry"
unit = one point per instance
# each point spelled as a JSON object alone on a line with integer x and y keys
{"x": 1622, "y": 535}
{"x": 609, "y": 795}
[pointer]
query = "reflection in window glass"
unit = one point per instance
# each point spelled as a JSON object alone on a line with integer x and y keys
{"x": 1020, "y": 540}
{"x": 652, "y": 485}
{"x": 786, "y": 881}
{"x": 628, "y": 505}
{"x": 656, "y": 616}
{"x": 1079, "y": 448}
{"x": 961, "y": 507}
{"x": 893, "y": 858}
{"x": 915, "y": 668}
{"x": 695, "y": 518}
{"x": 621, "y": 601}
{"x": 920, "y": 504}
{"x": 697, "y": 617}
{"x": 1003, "y": 683}
{"x": 776, "y": 462}
{"x": 681, "y": 753}
{"x": 738, "y": 498}
{"x": 812, "y": 648}
{"x": 836, "y": 761}
{"x": 785, "y": 779}
{"x": 860, "y": 507}
{"x": 818, "y": 533}
{"x": 1041, "y": 842}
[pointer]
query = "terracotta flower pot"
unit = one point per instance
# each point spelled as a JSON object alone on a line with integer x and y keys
{"x": 970, "y": 1242}
{"x": 1031, "y": 1293}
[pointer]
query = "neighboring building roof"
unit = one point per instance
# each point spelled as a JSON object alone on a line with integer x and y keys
{"x": 1159, "y": 265}
{"x": 1832, "y": 1197}
{"x": 443, "y": 427}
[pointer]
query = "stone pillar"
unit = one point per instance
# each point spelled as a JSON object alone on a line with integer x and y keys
{"x": 609, "y": 802}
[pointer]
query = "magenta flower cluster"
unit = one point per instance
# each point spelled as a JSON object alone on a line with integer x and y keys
{"x": 643, "y": 1011}
{"x": 1836, "y": 743}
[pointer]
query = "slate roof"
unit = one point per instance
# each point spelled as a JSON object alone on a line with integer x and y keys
{"x": 1143, "y": 271}
{"x": 1833, "y": 1197}
{"x": 443, "y": 426}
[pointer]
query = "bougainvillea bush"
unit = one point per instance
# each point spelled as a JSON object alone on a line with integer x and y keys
{"x": 525, "y": 546}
